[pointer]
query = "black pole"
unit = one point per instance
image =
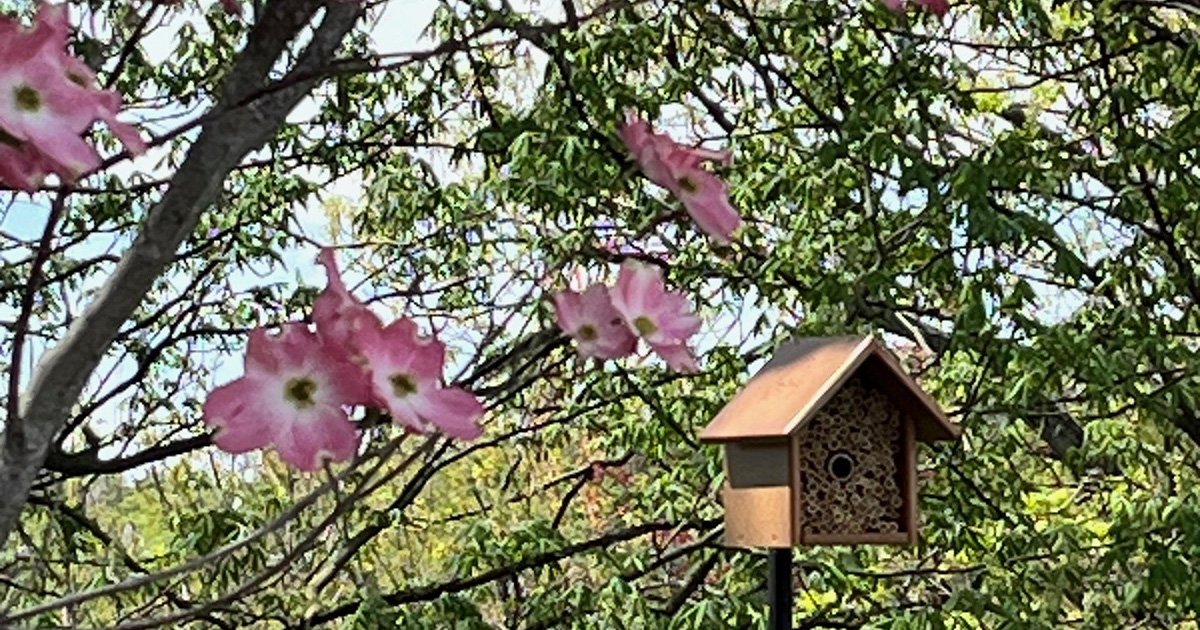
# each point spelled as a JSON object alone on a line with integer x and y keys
{"x": 779, "y": 587}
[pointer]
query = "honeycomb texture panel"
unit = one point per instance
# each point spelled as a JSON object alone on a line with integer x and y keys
{"x": 849, "y": 456}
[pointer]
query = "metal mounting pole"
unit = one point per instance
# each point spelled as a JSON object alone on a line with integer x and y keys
{"x": 779, "y": 587}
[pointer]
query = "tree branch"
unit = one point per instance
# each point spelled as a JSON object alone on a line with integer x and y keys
{"x": 223, "y": 141}
{"x": 14, "y": 434}
{"x": 457, "y": 585}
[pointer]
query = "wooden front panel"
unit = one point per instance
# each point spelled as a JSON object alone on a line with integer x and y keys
{"x": 758, "y": 517}
{"x": 852, "y": 458}
{"x": 756, "y": 464}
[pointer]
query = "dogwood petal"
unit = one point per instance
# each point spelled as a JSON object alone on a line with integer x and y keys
{"x": 663, "y": 318}
{"x": 678, "y": 357}
{"x": 240, "y": 425}
{"x": 452, "y": 410}
{"x": 638, "y": 286}
{"x": 706, "y": 199}
{"x": 325, "y": 434}
{"x": 343, "y": 321}
{"x": 568, "y": 309}
{"x": 592, "y": 321}
{"x": 402, "y": 348}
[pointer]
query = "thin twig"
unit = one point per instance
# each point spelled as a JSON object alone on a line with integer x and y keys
{"x": 15, "y": 428}
{"x": 138, "y": 582}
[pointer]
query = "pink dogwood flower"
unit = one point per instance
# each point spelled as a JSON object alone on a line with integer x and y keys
{"x": 678, "y": 356}
{"x": 663, "y": 318}
{"x": 590, "y": 318}
{"x": 49, "y": 98}
{"x": 292, "y": 396}
{"x": 406, "y": 379}
{"x": 40, "y": 107}
{"x": 678, "y": 169}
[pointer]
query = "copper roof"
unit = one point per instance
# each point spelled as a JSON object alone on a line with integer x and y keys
{"x": 804, "y": 374}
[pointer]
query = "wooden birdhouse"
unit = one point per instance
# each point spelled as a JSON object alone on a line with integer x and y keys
{"x": 820, "y": 447}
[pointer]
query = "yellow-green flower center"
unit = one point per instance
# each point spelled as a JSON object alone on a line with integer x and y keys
{"x": 688, "y": 184}
{"x": 587, "y": 332}
{"x": 27, "y": 98}
{"x": 300, "y": 391}
{"x": 645, "y": 326}
{"x": 403, "y": 385}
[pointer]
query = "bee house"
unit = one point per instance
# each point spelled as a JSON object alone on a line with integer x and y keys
{"x": 820, "y": 447}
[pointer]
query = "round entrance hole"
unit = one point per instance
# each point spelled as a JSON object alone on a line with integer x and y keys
{"x": 840, "y": 465}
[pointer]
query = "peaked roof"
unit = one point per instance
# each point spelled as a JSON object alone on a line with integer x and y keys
{"x": 805, "y": 374}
